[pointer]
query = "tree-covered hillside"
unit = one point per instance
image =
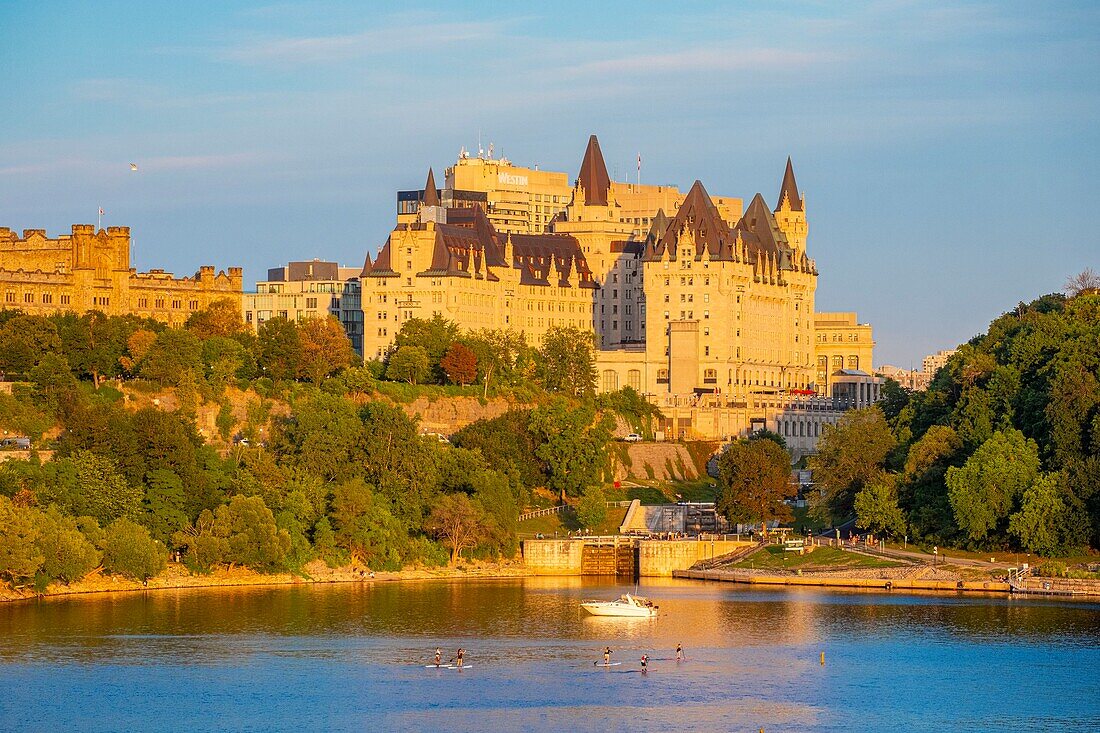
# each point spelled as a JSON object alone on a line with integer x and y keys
{"x": 322, "y": 466}
{"x": 1002, "y": 450}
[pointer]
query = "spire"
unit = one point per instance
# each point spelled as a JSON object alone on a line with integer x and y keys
{"x": 789, "y": 190}
{"x": 431, "y": 195}
{"x": 593, "y": 177}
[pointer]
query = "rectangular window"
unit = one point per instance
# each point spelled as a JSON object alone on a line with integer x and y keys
{"x": 65, "y": 300}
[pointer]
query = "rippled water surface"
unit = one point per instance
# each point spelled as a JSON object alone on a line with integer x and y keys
{"x": 350, "y": 657}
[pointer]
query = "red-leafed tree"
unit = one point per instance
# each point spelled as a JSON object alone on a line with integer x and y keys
{"x": 459, "y": 364}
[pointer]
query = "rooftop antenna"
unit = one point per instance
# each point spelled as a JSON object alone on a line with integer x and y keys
{"x": 639, "y": 170}
{"x": 480, "y": 150}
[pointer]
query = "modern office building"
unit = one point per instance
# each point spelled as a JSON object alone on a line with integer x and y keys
{"x": 311, "y": 289}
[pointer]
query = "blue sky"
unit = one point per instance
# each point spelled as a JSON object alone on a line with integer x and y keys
{"x": 949, "y": 152}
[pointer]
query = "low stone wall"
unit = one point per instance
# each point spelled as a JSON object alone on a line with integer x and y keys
{"x": 879, "y": 583}
{"x": 659, "y": 558}
{"x": 553, "y": 557}
{"x": 25, "y": 455}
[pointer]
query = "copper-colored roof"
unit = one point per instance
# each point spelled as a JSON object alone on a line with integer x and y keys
{"x": 760, "y": 234}
{"x": 593, "y": 177}
{"x": 789, "y": 190}
{"x": 698, "y": 215}
{"x": 367, "y": 267}
{"x": 431, "y": 194}
{"x": 539, "y": 256}
{"x": 381, "y": 266}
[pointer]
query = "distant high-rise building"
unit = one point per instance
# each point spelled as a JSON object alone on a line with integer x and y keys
{"x": 310, "y": 289}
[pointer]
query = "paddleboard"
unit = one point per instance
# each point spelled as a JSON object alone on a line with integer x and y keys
{"x": 465, "y": 666}
{"x": 435, "y": 666}
{"x": 610, "y": 664}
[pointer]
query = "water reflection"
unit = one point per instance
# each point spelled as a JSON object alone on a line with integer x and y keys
{"x": 349, "y": 657}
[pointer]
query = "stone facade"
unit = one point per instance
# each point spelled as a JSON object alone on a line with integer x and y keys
{"x": 89, "y": 270}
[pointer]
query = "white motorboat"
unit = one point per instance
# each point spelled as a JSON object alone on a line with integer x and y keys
{"x": 625, "y": 605}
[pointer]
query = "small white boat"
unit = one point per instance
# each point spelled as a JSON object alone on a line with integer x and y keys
{"x": 625, "y": 605}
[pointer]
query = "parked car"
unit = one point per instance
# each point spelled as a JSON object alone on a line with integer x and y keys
{"x": 633, "y": 438}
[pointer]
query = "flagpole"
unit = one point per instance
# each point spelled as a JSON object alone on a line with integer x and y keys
{"x": 100, "y": 225}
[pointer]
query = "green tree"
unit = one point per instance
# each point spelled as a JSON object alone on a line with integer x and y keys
{"x": 398, "y": 463}
{"x": 280, "y": 349}
{"x": 365, "y": 527}
{"x": 67, "y": 553}
{"x": 505, "y": 442}
{"x": 325, "y": 348}
{"x": 877, "y": 509}
{"x": 165, "y": 505}
{"x": 53, "y": 383}
{"x": 500, "y": 354}
{"x": 435, "y": 335}
{"x": 224, "y": 361}
{"x": 591, "y": 510}
{"x": 457, "y": 522}
{"x": 254, "y": 538}
{"x": 568, "y": 360}
{"x": 754, "y": 478}
{"x": 24, "y": 341}
{"x": 20, "y": 557}
{"x": 572, "y": 444}
{"x": 984, "y": 491}
{"x": 174, "y": 353}
{"x": 129, "y": 550}
{"x": 104, "y": 493}
{"x": 1043, "y": 515}
{"x": 408, "y": 364}
{"x": 849, "y": 454}
{"x": 205, "y": 543}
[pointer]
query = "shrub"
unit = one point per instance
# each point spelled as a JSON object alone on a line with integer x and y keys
{"x": 129, "y": 550}
{"x": 67, "y": 553}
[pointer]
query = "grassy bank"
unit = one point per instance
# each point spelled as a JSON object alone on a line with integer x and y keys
{"x": 775, "y": 557}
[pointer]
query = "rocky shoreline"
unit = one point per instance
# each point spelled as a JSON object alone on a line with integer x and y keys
{"x": 178, "y": 576}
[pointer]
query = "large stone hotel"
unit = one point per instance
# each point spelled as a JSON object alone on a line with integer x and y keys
{"x": 700, "y": 303}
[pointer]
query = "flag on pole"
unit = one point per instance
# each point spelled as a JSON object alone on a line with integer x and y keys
{"x": 101, "y": 211}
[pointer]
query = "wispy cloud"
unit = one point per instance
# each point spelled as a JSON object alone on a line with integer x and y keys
{"x": 709, "y": 60}
{"x": 341, "y": 47}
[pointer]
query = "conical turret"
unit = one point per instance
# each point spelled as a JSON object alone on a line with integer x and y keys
{"x": 788, "y": 192}
{"x": 593, "y": 176}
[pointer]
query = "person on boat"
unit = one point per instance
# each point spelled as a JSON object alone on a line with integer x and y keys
{"x": 458, "y": 657}
{"x": 645, "y": 661}
{"x": 607, "y": 656}
{"x": 679, "y": 652}
{"x": 438, "y": 656}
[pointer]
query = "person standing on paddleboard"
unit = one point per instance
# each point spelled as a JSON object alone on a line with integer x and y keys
{"x": 645, "y": 661}
{"x": 607, "y": 656}
{"x": 458, "y": 657}
{"x": 438, "y": 656}
{"x": 679, "y": 652}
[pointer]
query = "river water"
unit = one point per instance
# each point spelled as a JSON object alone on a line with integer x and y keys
{"x": 350, "y": 658}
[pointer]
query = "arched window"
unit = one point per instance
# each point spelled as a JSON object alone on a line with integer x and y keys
{"x": 610, "y": 380}
{"x": 634, "y": 379}
{"x": 853, "y": 362}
